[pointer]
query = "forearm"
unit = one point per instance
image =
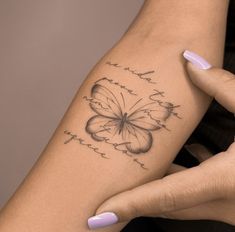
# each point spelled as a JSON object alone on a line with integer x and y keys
{"x": 200, "y": 24}
{"x": 83, "y": 165}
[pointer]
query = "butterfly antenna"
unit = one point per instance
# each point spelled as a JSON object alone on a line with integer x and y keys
{"x": 136, "y": 103}
{"x": 123, "y": 100}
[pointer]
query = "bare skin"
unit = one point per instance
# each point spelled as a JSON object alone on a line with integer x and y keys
{"x": 203, "y": 192}
{"x": 82, "y": 165}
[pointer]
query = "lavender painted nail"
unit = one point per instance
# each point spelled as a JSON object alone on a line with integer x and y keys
{"x": 197, "y": 60}
{"x": 102, "y": 220}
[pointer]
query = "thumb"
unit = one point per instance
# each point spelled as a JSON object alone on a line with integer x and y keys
{"x": 174, "y": 192}
{"x": 216, "y": 82}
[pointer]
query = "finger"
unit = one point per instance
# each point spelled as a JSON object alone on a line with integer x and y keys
{"x": 219, "y": 210}
{"x": 216, "y": 82}
{"x": 198, "y": 151}
{"x": 174, "y": 192}
{"x": 208, "y": 210}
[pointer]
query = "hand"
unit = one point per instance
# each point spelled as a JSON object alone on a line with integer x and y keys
{"x": 206, "y": 191}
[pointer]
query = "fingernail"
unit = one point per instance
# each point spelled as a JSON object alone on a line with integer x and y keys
{"x": 102, "y": 220}
{"x": 197, "y": 60}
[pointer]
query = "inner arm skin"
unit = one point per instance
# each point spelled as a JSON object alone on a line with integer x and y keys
{"x": 69, "y": 181}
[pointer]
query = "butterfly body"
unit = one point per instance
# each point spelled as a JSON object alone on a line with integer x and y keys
{"x": 116, "y": 122}
{"x": 123, "y": 120}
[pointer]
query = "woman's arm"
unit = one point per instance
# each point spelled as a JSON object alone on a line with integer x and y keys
{"x": 126, "y": 123}
{"x": 205, "y": 191}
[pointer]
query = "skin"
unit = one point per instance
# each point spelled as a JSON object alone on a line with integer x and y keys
{"x": 203, "y": 192}
{"x": 69, "y": 181}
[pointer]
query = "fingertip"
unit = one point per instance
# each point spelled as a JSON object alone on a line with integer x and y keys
{"x": 203, "y": 79}
{"x": 114, "y": 209}
{"x": 106, "y": 207}
{"x": 102, "y": 220}
{"x": 196, "y": 66}
{"x": 194, "y": 71}
{"x": 197, "y": 60}
{"x": 195, "y": 74}
{"x": 191, "y": 69}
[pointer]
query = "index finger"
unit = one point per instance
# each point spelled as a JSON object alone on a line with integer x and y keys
{"x": 216, "y": 82}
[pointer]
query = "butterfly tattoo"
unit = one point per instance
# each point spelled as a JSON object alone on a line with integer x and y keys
{"x": 128, "y": 125}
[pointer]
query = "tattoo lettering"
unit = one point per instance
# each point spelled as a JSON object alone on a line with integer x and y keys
{"x": 141, "y": 75}
{"x": 74, "y": 137}
{"x": 156, "y": 94}
{"x": 130, "y": 91}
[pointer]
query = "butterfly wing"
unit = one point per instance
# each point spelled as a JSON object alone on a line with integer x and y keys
{"x": 162, "y": 110}
{"x": 101, "y": 127}
{"x": 138, "y": 140}
{"x": 150, "y": 116}
{"x": 143, "y": 120}
{"x": 140, "y": 123}
{"x": 104, "y": 102}
{"x": 135, "y": 132}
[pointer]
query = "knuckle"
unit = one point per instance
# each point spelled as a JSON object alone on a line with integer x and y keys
{"x": 217, "y": 180}
{"x": 133, "y": 206}
{"x": 167, "y": 201}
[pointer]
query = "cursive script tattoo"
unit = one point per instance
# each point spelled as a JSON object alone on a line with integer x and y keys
{"x": 111, "y": 81}
{"x": 140, "y": 75}
{"x": 140, "y": 163}
{"x": 74, "y": 137}
{"x": 156, "y": 93}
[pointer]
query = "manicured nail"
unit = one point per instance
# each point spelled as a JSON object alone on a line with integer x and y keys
{"x": 102, "y": 220}
{"x": 197, "y": 60}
